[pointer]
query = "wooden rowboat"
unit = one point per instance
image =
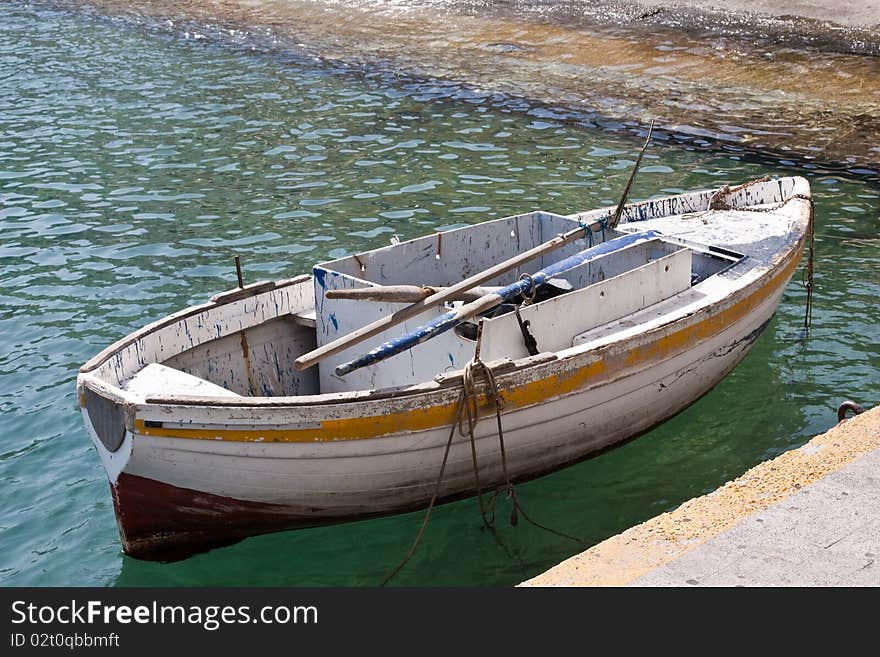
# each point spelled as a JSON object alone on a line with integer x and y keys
{"x": 212, "y": 427}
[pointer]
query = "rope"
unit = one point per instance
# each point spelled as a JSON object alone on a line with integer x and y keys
{"x": 495, "y": 397}
{"x": 472, "y": 413}
{"x": 588, "y": 229}
{"x": 807, "y": 273}
{"x": 418, "y": 539}
{"x": 467, "y": 408}
{"x": 588, "y": 232}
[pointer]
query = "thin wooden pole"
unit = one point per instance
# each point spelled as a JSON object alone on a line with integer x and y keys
{"x": 238, "y": 271}
{"x": 616, "y": 218}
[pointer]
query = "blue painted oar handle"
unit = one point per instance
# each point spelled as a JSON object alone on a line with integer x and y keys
{"x": 451, "y": 319}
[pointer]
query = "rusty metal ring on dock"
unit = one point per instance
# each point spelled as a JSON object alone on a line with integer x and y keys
{"x": 848, "y": 405}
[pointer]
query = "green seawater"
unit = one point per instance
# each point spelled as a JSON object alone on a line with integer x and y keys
{"x": 135, "y": 163}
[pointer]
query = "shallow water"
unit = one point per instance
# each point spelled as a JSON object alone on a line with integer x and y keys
{"x": 761, "y": 83}
{"x": 134, "y": 163}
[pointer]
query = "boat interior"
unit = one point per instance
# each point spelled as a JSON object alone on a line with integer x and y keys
{"x": 245, "y": 342}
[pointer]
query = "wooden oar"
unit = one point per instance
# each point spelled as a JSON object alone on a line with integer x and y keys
{"x": 413, "y": 293}
{"x": 316, "y": 355}
{"x": 403, "y": 293}
{"x": 454, "y": 317}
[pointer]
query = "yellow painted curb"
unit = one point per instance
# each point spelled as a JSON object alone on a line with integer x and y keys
{"x": 625, "y": 557}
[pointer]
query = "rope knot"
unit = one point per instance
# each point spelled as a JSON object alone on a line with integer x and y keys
{"x": 588, "y": 231}
{"x": 585, "y": 227}
{"x": 588, "y": 228}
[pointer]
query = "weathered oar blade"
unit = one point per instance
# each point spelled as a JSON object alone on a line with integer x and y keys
{"x": 454, "y": 317}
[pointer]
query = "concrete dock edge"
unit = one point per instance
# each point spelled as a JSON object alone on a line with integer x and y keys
{"x": 640, "y": 550}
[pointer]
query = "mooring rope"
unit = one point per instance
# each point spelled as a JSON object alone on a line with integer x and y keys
{"x": 471, "y": 396}
{"x": 418, "y": 539}
{"x": 467, "y": 409}
{"x": 807, "y": 274}
{"x": 494, "y": 396}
